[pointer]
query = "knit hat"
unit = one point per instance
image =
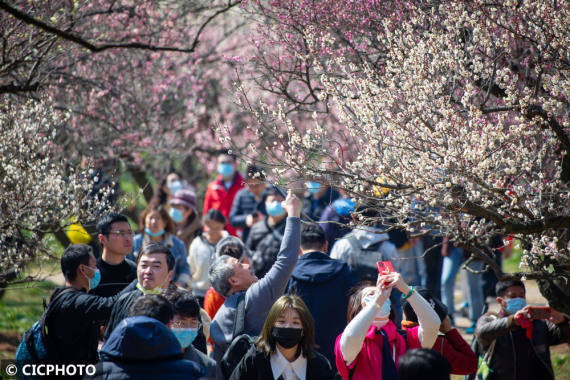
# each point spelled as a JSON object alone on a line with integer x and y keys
{"x": 437, "y": 305}
{"x": 184, "y": 197}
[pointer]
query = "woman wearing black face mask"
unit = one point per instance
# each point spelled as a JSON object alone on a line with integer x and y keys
{"x": 286, "y": 347}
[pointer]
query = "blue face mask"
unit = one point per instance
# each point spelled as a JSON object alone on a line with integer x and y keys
{"x": 153, "y": 234}
{"x": 225, "y": 170}
{"x": 274, "y": 208}
{"x": 185, "y": 336}
{"x": 343, "y": 207}
{"x": 313, "y": 187}
{"x": 514, "y": 305}
{"x": 95, "y": 280}
{"x": 176, "y": 214}
{"x": 174, "y": 187}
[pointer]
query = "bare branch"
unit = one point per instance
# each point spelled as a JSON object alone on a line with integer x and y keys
{"x": 99, "y": 48}
{"x": 14, "y": 89}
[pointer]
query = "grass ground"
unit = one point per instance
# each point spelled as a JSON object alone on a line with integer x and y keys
{"x": 20, "y": 307}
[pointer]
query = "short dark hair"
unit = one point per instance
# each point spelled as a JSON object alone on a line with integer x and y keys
{"x": 255, "y": 172}
{"x": 154, "y": 306}
{"x": 215, "y": 215}
{"x": 312, "y": 236}
{"x": 502, "y": 286}
{"x": 184, "y": 302}
{"x": 73, "y": 256}
{"x": 157, "y": 248}
{"x": 423, "y": 363}
{"x": 104, "y": 224}
{"x": 227, "y": 152}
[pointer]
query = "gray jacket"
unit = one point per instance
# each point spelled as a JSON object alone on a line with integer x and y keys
{"x": 261, "y": 295}
{"x": 503, "y": 362}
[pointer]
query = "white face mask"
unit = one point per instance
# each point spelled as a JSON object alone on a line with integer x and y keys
{"x": 382, "y": 315}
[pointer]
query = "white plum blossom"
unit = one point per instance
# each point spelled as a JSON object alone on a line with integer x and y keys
{"x": 40, "y": 193}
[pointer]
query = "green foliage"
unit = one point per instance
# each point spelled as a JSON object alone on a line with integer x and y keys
{"x": 511, "y": 264}
{"x": 561, "y": 364}
{"x": 21, "y": 306}
{"x": 131, "y": 192}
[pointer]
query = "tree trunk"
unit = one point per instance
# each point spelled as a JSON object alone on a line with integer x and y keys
{"x": 557, "y": 293}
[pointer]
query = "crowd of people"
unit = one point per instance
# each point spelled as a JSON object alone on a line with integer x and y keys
{"x": 263, "y": 285}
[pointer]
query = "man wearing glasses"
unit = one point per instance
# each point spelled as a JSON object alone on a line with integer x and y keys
{"x": 186, "y": 326}
{"x": 116, "y": 237}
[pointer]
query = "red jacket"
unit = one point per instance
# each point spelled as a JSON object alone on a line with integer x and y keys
{"x": 455, "y": 349}
{"x": 219, "y": 198}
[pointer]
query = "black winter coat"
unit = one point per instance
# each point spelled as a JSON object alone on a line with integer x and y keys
{"x": 74, "y": 324}
{"x": 264, "y": 243}
{"x": 121, "y": 310}
{"x": 256, "y": 365}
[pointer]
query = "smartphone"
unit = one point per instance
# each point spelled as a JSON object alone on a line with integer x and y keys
{"x": 384, "y": 267}
{"x": 539, "y": 312}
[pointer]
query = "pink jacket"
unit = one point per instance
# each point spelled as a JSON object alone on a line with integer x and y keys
{"x": 368, "y": 363}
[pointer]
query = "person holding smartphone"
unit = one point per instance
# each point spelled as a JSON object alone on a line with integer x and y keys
{"x": 370, "y": 346}
{"x": 516, "y": 339}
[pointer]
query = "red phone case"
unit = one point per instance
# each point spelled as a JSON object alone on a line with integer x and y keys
{"x": 384, "y": 267}
{"x": 540, "y": 312}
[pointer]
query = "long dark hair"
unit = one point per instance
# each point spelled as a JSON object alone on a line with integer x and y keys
{"x": 266, "y": 341}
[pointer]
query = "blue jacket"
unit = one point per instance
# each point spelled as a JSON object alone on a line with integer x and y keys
{"x": 144, "y": 348}
{"x": 324, "y": 285}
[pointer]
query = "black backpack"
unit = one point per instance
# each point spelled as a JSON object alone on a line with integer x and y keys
{"x": 241, "y": 343}
{"x": 36, "y": 345}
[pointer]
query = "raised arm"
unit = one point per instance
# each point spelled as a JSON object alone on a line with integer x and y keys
{"x": 353, "y": 335}
{"x": 427, "y": 317}
{"x": 273, "y": 284}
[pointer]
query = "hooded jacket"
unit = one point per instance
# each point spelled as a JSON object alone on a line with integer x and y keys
{"x": 371, "y": 242}
{"x": 324, "y": 284}
{"x": 144, "y": 348}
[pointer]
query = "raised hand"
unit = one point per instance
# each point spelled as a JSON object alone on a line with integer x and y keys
{"x": 292, "y": 204}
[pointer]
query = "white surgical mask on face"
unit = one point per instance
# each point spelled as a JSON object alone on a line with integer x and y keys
{"x": 382, "y": 315}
